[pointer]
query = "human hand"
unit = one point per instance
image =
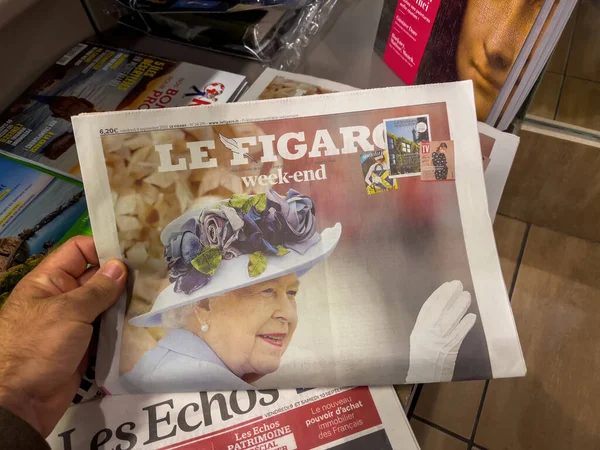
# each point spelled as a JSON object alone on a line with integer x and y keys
{"x": 46, "y": 328}
{"x": 438, "y": 334}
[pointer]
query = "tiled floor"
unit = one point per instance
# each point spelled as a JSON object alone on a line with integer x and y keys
{"x": 570, "y": 88}
{"x": 554, "y": 283}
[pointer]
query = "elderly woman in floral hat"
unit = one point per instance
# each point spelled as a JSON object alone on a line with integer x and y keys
{"x": 231, "y": 307}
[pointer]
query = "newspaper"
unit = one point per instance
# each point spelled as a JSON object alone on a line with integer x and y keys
{"x": 221, "y": 213}
{"x": 498, "y": 151}
{"x": 279, "y": 84}
{"x": 341, "y": 418}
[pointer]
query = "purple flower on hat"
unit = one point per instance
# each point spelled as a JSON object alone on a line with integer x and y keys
{"x": 183, "y": 247}
{"x": 254, "y": 240}
{"x": 265, "y": 224}
{"x": 221, "y": 227}
{"x": 291, "y": 221}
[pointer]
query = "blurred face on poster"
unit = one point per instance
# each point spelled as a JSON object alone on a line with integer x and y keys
{"x": 491, "y": 37}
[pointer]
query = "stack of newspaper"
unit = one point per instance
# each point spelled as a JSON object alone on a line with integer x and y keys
{"x": 324, "y": 240}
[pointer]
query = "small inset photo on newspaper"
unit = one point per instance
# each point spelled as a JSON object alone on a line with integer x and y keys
{"x": 403, "y": 139}
{"x": 437, "y": 161}
{"x": 376, "y": 169}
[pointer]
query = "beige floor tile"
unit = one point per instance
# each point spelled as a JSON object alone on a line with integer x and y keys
{"x": 509, "y": 235}
{"x": 555, "y": 182}
{"x": 584, "y": 59}
{"x": 403, "y": 392}
{"x": 452, "y": 406}
{"x": 556, "y": 305}
{"x": 546, "y": 97}
{"x": 558, "y": 61}
{"x": 578, "y": 104}
{"x": 430, "y": 438}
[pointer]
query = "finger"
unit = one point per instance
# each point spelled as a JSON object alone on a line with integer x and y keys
{"x": 457, "y": 336}
{"x": 436, "y": 303}
{"x": 72, "y": 257}
{"x": 452, "y": 316}
{"x": 99, "y": 293}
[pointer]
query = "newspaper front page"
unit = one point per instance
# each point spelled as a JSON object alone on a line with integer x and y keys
{"x": 340, "y": 418}
{"x": 281, "y": 243}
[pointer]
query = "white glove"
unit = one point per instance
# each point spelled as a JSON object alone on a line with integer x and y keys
{"x": 438, "y": 334}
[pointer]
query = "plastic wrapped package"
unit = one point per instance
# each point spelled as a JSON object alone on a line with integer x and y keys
{"x": 275, "y": 32}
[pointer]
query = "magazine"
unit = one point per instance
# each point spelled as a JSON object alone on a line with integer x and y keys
{"x": 94, "y": 77}
{"x": 486, "y": 41}
{"x": 340, "y": 418}
{"x": 504, "y": 112}
{"x": 278, "y": 84}
{"x": 37, "y": 210}
{"x": 208, "y": 206}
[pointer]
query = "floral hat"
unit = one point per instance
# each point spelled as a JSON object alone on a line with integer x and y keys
{"x": 236, "y": 243}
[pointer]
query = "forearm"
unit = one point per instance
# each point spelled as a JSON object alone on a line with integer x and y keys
{"x": 18, "y": 405}
{"x": 17, "y": 434}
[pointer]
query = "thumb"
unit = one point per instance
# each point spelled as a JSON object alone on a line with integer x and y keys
{"x": 98, "y": 293}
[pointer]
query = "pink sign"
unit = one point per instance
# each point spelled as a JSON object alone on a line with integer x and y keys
{"x": 410, "y": 31}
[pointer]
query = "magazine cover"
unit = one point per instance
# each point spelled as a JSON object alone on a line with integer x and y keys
{"x": 437, "y": 161}
{"x": 260, "y": 261}
{"x": 37, "y": 209}
{"x": 93, "y": 77}
{"x": 327, "y": 418}
{"x": 376, "y": 169}
{"x": 435, "y": 41}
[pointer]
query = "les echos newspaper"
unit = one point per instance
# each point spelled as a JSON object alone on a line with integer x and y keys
{"x": 327, "y": 240}
{"x": 340, "y": 418}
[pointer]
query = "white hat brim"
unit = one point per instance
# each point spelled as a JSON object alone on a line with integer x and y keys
{"x": 233, "y": 274}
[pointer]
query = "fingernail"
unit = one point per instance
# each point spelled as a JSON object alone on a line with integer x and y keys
{"x": 112, "y": 269}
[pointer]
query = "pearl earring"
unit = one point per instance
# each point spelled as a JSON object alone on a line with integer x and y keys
{"x": 204, "y": 327}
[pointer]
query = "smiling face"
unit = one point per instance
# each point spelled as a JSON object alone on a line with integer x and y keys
{"x": 250, "y": 328}
{"x": 492, "y": 35}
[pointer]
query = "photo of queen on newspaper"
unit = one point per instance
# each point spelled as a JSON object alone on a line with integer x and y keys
{"x": 231, "y": 307}
{"x": 231, "y": 312}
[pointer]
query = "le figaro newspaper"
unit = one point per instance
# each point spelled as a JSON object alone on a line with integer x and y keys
{"x": 287, "y": 419}
{"x": 294, "y": 242}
